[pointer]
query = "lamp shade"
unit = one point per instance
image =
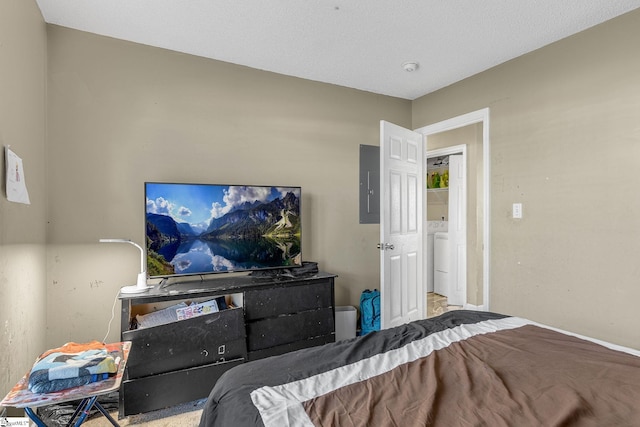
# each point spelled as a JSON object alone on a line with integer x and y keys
{"x": 141, "y": 283}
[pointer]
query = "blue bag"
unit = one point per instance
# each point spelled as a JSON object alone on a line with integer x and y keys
{"x": 369, "y": 311}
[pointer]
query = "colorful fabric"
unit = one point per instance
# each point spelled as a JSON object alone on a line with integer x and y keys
{"x": 72, "y": 365}
{"x": 74, "y": 347}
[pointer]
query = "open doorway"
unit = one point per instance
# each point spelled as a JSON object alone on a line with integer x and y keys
{"x": 472, "y": 131}
{"x": 446, "y": 227}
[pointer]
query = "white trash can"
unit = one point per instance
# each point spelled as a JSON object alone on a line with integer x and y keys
{"x": 345, "y": 322}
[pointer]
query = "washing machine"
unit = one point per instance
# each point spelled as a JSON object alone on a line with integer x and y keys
{"x": 441, "y": 263}
{"x": 433, "y": 227}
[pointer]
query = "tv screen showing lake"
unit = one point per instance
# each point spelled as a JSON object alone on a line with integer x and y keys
{"x": 202, "y": 228}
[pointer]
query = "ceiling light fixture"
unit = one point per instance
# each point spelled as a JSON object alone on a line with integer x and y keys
{"x": 410, "y": 66}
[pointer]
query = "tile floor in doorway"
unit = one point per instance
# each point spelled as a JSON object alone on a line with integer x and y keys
{"x": 437, "y": 304}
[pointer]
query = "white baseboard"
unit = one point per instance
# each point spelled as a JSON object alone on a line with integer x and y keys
{"x": 474, "y": 307}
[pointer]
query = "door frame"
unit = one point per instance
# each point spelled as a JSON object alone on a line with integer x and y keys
{"x": 478, "y": 116}
{"x": 440, "y": 152}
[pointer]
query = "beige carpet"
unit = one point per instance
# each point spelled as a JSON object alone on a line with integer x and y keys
{"x": 437, "y": 304}
{"x": 185, "y": 415}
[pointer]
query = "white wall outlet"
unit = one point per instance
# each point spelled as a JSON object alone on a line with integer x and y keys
{"x": 517, "y": 210}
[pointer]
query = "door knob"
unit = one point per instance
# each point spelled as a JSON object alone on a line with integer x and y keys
{"x": 385, "y": 246}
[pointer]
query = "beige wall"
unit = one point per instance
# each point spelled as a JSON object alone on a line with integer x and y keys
{"x": 22, "y": 227}
{"x": 565, "y": 142}
{"x": 121, "y": 114}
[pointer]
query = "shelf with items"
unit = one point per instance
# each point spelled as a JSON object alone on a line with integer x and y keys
{"x": 437, "y": 179}
{"x": 145, "y": 315}
{"x": 438, "y": 189}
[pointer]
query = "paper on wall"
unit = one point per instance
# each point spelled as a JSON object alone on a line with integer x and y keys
{"x": 16, "y": 185}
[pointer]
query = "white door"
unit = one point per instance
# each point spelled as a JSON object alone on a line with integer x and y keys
{"x": 402, "y": 289}
{"x": 457, "y": 231}
{"x": 441, "y": 263}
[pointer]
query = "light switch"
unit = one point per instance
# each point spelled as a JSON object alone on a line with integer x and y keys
{"x": 517, "y": 210}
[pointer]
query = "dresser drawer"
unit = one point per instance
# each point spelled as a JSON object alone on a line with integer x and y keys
{"x": 186, "y": 343}
{"x": 275, "y": 331}
{"x": 164, "y": 390}
{"x": 286, "y": 348}
{"x": 288, "y": 299}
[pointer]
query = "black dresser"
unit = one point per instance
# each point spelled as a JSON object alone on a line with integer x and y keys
{"x": 180, "y": 361}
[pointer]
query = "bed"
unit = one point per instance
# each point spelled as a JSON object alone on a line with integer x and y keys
{"x": 462, "y": 368}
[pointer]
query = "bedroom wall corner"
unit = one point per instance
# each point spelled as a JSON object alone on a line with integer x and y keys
{"x": 23, "y": 60}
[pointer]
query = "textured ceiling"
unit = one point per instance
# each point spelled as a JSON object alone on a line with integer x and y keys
{"x": 360, "y": 44}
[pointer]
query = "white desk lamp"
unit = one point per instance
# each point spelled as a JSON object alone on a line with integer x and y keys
{"x": 141, "y": 284}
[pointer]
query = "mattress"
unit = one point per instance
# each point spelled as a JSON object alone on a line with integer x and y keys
{"x": 462, "y": 368}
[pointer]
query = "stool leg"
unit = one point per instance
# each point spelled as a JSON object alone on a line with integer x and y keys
{"x": 34, "y": 417}
{"x": 79, "y": 408}
{"x": 85, "y": 411}
{"x": 106, "y": 414}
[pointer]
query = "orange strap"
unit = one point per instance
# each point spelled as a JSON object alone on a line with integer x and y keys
{"x": 73, "y": 347}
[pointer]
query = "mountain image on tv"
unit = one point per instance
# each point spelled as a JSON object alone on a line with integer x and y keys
{"x": 202, "y": 228}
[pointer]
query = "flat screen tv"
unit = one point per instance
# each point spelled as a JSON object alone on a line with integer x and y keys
{"x": 197, "y": 229}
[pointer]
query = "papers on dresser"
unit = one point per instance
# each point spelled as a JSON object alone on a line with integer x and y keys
{"x": 176, "y": 312}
